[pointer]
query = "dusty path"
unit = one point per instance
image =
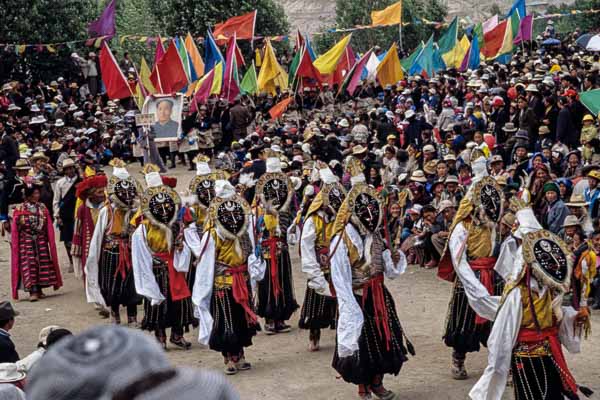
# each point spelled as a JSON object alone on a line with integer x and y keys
{"x": 282, "y": 366}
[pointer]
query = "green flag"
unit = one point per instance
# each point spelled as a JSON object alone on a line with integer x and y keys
{"x": 591, "y": 99}
{"x": 249, "y": 83}
{"x": 515, "y": 22}
{"x": 294, "y": 66}
{"x": 448, "y": 40}
{"x": 184, "y": 56}
{"x": 408, "y": 61}
{"x": 479, "y": 31}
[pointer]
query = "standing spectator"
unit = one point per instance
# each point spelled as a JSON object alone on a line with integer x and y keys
{"x": 565, "y": 128}
{"x": 92, "y": 74}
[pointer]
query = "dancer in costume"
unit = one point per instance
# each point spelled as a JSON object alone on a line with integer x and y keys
{"x": 34, "y": 260}
{"x": 319, "y": 307}
{"x": 227, "y": 264}
{"x": 108, "y": 269}
{"x": 159, "y": 260}
{"x": 370, "y": 339}
{"x": 531, "y": 326}
{"x": 276, "y": 298}
{"x": 468, "y": 261}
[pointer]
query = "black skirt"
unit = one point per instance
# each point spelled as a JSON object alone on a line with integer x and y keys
{"x": 462, "y": 334}
{"x": 231, "y": 331}
{"x": 318, "y": 311}
{"x": 282, "y": 307}
{"x": 537, "y": 378}
{"x": 178, "y": 314}
{"x": 373, "y": 358}
{"x": 66, "y": 229}
{"x": 116, "y": 290}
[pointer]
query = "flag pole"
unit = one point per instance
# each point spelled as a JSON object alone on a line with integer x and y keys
{"x": 400, "y": 37}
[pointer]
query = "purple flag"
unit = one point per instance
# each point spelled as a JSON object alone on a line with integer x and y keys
{"x": 525, "y": 30}
{"x": 105, "y": 24}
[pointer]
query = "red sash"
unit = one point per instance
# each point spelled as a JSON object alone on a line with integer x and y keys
{"x": 485, "y": 266}
{"x": 381, "y": 315}
{"x": 177, "y": 284}
{"x": 551, "y": 335}
{"x": 271, "y": 243}
{"x": 240, "y": 291}
{"x": 124, "y": 264}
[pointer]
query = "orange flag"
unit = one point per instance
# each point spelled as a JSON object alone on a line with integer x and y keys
{"x": 278, "y": 109}
{"x": 391, "y": 15}
{"x": 242, "y": 26}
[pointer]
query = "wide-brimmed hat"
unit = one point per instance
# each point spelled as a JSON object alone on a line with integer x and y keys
{"x": 594, "y": 174}
{"x": 509, "y": 127}
{"x": 495, "y": 159}
{"x": 409, "y": 113}
{"x": 55, "y": 146}
{"x": 577, "y": 200}
{"x": 430, "y": 167}
{"x": 38, "y": 156}
{"x": 68, "y": 162}
{"x": 451, "y": 179}
{"x": 9, "y": 372}
{"x": 359, "y": 149}
{"x": 444, "y": 205}
{"x": 522, "y": 134}
{"x": 418, "y": 176}
{"x": 571, "y": 220}
{"x": 13, "y": 107}
{"x": 22, "y": 164}
{"x": 532, "y": 88}
{"x": 59, "y": 123}
{"x": 544, "y": 130}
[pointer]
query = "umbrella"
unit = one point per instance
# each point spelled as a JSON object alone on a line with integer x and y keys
{"x": 583, "y": 40}
{"x": 591, "y": 100}
{"x": 550, "y": 42}
{"x": 593, "y": 44}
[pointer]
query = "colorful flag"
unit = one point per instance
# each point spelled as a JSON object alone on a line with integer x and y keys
{"x": 113, "y": 78}
{"x": 327, "y": 63}
{"x": 217, "y": 85}
{"x": 507, "y": 43}
{"x": 525, "y": 30}
{"x": 453, "y": 58}
{"x": 371, "y": 67}
{"x": 212, "y": 54}
{"x": 424, "y": 62}
{"x": 490, "y": 24}
{"x": 249, "y": 83}
{"x": 389, "y": 71}
{"x": 195, "y": 60}
{"x": 203, "y": 89}
{"x": 242, "y": 26}
{"x": 184, "y": 57}
{"x": 168, "y": 75}
{"x": 344, "y": 66}
{"x": 278, "y": 109}
{"x": 105, "y": 24}
{"x": 410, "y": 60}
{"x": 231, "y": 86}
{"x": 514, "y": 24}
{"x": 145, "y": 77}
{"x": 269, "y": 71}
{"x": 306, "y": 72}
{"x": 391, "y": 15}
{"x": 494, "y": 40}
{"x": 448, "y": 41}
{"x": 519, "y": 7}
{"x": 354, "y": 76}
{"x": 294, "y": 65}
{"x": 159, "y": 52}
{"x": 472, "y": 58}
{"x": 478, "y": 29}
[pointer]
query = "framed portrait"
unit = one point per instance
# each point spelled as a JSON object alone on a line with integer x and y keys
{"x": 167, "y": 116}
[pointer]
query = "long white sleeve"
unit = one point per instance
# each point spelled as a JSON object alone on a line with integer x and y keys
{"x": 143, "y": 277}
{"x": 484, "y": 304}
{"x": 506, "y": 263}
{"x": 203, "y": 287}
{"x": 192, "y": 239}
{"x": 256, "y": 265}
{"x": 92, "y": 284}
{"x": 310, "y": 264}
{"x": 501, "y": 342}
{"x": 351, "y": 319}
{"x": 566, "y": 332}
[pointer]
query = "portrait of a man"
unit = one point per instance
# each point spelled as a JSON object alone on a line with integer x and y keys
{"x": 167, "y": 115}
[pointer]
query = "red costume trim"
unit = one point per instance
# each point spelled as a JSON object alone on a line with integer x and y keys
{"x": 177, "y": 284}
{"x": 240, "y": 290}
{"x": 485, "y": 266}
{"x": 271, "y": 243}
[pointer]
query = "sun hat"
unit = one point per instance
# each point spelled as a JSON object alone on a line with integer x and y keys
{"x": 9, "y": 372}
{"x": 570, "y": 220}
{"x": 418, "y": 176}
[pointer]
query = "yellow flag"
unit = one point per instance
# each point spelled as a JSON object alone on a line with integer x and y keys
{"x": 257, "y": 58}
{"x": 327, "y": 63}
{"x": 217, "y": 80}
{"x": 145, "y": 77}
{"x": 139, "y": 96}
{"x": 389, "y": 70}
{"x": 391, "y": 15}
{"x": 269, "y": 71}
{"x": 454, "y": 57}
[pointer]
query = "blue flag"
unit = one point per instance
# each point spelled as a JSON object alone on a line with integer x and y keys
{"x": 212, "y": 54}
{"x": 519, "y": 7}
{"x": 474, "y": 60}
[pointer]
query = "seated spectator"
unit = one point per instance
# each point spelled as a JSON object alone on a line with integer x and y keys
{"x": 8, "y": 353}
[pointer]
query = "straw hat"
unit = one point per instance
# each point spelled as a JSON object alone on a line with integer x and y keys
{"x": 55, "y": 146}
{"x": 418, "y": 176}
{"x": 430, "y": 166}
{"x": 577, "y": 200}
{"x": 10, "y": 373}
{"x": 22, "y": 164}
{"x": 39, "y": 156}
{"x": 359, "y": 149}
{"x": 571, "y": 220}
{"x": 444, "y": 205}
{"x": 68, "y": 162}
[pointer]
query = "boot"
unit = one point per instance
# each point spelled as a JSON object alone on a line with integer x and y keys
{"x": 458, "y": 366}
{"x": 379, "y": 391}
{"x": 314, "y": 338}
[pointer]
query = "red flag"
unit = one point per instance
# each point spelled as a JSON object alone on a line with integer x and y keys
{"x": 278, "y": 109}
{"x": 353, "y": 77}
{"x": 299, "y": 41}
{"x": 493, "y": 40}
{"x": 344, "y": 66}
{"x": 160, "y": 51}
{"x": 242, "y": 26}
{"x": 168, "y": 75}
{"x": 307, "y": 72}
{"x": 203, "y": 92}
{"x": 115, "y": 82}
{"x": 231, "y": 88}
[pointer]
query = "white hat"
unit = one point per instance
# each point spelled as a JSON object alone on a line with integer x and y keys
{"x": 532, "y": 88}
{"x": 202, "y": 168}
{"x": 327, "y": 176}
{"x": 35, "y": 108}
{"x": 59, "y": 122}
{"x": 72, "y": 107}
{"x": 77, "y": 114}
{"x": 13, "y": 107}
{"x": 409, "y": 113}
{"x": 224, "y": 189}
{"x": 428, "y": 148}
{"x": 527, "y": 223}
{"x": 273, "y": 164}
{"x": 153, "y": 179}
{"x": 344, "y": 123}
{"x": 10, "y": 373}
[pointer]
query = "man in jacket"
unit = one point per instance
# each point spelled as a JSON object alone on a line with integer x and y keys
{"x": 8, "y": 353}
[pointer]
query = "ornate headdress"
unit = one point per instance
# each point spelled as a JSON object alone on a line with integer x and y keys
{"x": 332, "y": 193}
{"x": 364, "y": 207}
{"x": 90, "y": 182}
{"x": 159, "y": 201}
{"x": 274, "y": 187}
{"x": 229, "y": 211}
{"x": 123, "y": 189}
{"x": 203, "y": 184}
{"x": 549, "y": 259}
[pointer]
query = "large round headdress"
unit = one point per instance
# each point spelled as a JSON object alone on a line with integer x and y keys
{"x": 274, "y": 187}
{"x": 203, "y": 184}
{"x": 549, "y": 258}
{"x": 159, "y": 202}
{"x": 229, "y": 211}
{"x": 123, "y": 189}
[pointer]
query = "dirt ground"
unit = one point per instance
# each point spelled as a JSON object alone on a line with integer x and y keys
{"x": 282, "y": 366}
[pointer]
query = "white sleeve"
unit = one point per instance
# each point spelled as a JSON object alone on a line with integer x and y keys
{"x": 480, "y": 300}
{"x": 506, "y": 262}
{"x": 310, "y": 264}
{"x": 92, "y": 270}
{"x": 56, "y": 199}
{"x": 256, "y": 265}
{"x": 192, "y": 239}
{"x": 143, "y": 277}
{"x": 351, "y": 318}
{"x": 392, "y": 271}
{"x": 292, "y": 234}
{"x": 566, "y": 332}
{"x": 203, "y": 287}
{"x": 182, "y": 259}
{"x": 501, "y": 342}
{"x": 27, "y": 363}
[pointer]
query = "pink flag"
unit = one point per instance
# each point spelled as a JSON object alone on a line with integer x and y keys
{"x": 525, "y": 30}
{"x": 490, "y": 24}
{"x": 105, "y": 24}
{"x": 203, "y": 92}
{"x": 357, "y": 73}
{"x": 231, "y": 88}
{"x": 160, "y": 50}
